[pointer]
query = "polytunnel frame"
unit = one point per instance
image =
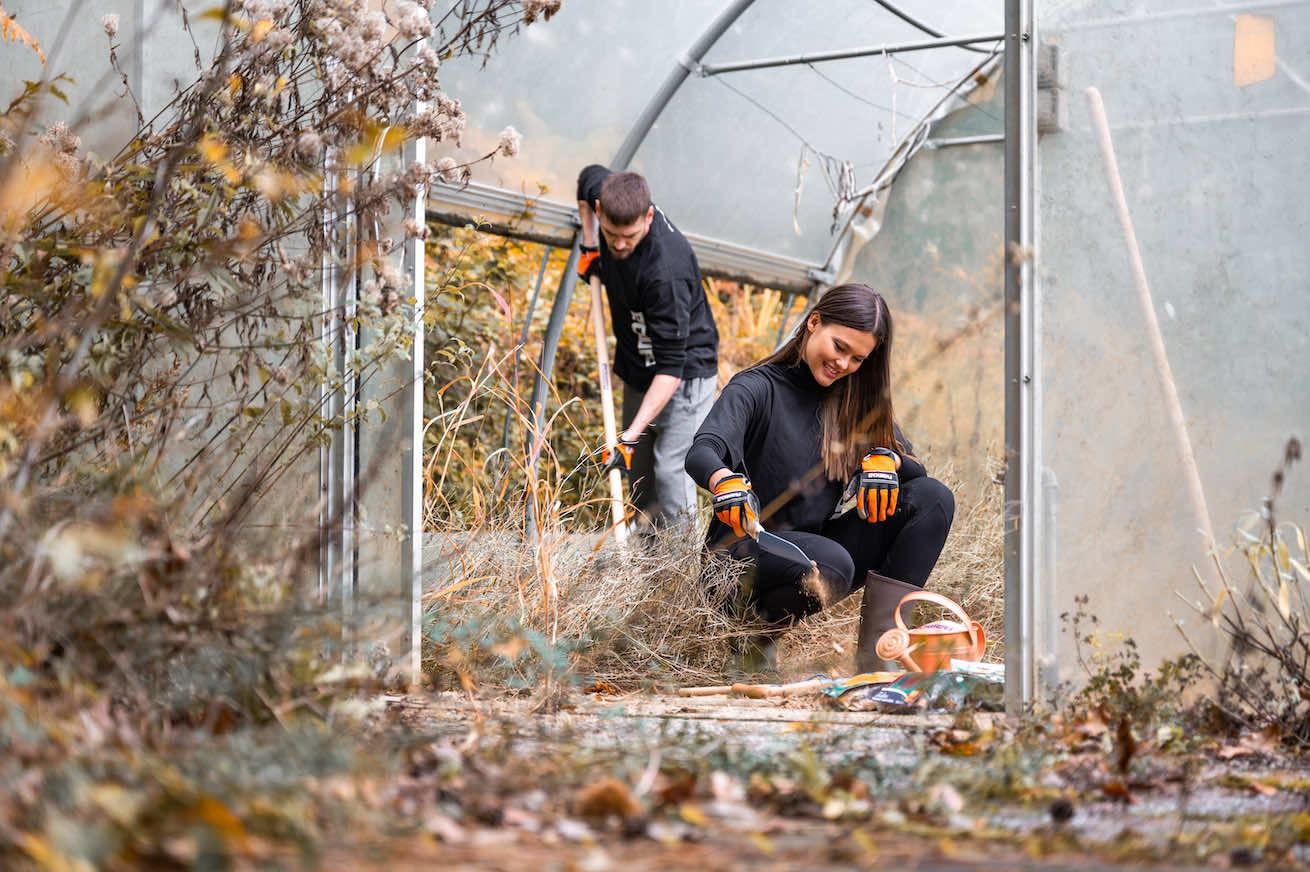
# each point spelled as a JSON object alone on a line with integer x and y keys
{"x": 1022, "y": 519}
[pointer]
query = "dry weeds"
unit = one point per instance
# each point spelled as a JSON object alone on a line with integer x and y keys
{"x": 648, "y": 612}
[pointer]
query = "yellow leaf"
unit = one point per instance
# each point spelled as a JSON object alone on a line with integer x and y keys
{"x": 10, "y": 31}
{"x": 25, "y": 186}
{"x": 692, "y": 814}
{"x": 49, "y": 857}
{"x": 261, "y": 29}
{"x": 510, "y": 649}
{"x": 211, "y": 148}
{"x": 865, "y": 843}
{"x": 1216, "y": 610}
{"x": 763, "y": 843}
{"x": 219, "y": 818}
{"x": 84, "y": 404}
{"x": 1284, "y": 599}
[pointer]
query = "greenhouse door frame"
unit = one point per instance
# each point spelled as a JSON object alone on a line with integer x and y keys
{"x": 1022, "y": 515}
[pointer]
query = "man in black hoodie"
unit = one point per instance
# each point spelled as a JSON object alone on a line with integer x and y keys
{"x": 666, "y": 344}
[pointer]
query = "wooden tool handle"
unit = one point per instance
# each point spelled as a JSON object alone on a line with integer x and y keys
{"x": 717, "y": 690}
{"x": 607, "y": 407}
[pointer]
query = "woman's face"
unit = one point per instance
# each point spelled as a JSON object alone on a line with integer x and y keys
{"x": 833, "y": 352}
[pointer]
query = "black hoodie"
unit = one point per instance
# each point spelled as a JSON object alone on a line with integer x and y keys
{"x": 660, "y": 317}
{"x": 766, "y": 424}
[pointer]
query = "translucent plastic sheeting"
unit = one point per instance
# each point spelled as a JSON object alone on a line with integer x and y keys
{"x": 1216, "y": 178}
{"x": 725, "y": 157}
{"x": 154, "y": 50}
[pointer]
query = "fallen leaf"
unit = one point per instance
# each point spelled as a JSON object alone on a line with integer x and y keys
{"x": 1117, "y": 790}
{"x": 606, "y": 797}
{"x": 1261, "y": 788}
{"x": 692, "y": 814}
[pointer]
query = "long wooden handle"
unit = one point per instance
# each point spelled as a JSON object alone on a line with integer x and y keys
{"x": 716, "y": 690}
{"x": 768, "y": 691}
{"x": 1174, "y": 406}
{"x": 607, "y": 407}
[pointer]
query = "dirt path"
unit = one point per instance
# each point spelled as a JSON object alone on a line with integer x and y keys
{"x": 727, "y": 783}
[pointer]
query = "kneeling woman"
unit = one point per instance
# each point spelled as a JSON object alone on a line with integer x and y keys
{"x": 778, "y": 450}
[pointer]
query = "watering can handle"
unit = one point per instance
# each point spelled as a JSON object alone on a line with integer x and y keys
{"x": 946, "y": 603}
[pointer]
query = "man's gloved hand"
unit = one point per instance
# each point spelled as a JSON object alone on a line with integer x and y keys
{"x": 879, "y": 486}
{"x": 736, "y": 505}
{"x": 588, "y": 263}
{"x": 619, "y": 457}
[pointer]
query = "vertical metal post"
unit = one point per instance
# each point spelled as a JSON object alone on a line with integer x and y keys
{"x": 786, "y": 316}
{"x": 523, "y": 338}
{"x": 1022, "y": 422}
{"x": 559, "y": 310}
{"x": 337, "y": 459}
{"x": 412, "y": 396}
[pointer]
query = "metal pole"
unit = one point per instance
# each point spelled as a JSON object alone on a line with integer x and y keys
{"x": 686, "y": 63}
{"x": 818, "y": 57}
{"x": 1021, "y": 424}
{"x": 952, "y": 142}
{"x": 549, "y": 345}
{"x": 412, "y": 398}
{"x": 523, "y": 338}
{"x": 786, "y": 316}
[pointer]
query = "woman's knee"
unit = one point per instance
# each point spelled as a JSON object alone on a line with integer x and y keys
{"x": 837, "y": 571}
{"x": 931, "y": 499}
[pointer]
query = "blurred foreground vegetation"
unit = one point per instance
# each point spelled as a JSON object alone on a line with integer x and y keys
{"x": 175, "y": 692}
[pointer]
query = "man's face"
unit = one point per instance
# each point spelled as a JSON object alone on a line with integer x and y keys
{"x": 623, "y": 238}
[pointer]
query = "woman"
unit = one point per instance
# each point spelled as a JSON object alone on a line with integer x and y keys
{"x": 780, "y": 446}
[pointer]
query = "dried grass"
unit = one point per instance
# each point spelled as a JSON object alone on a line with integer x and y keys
{"x": 642, "y": 613}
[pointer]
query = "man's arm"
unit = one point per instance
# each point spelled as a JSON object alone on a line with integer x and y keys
{"x": 661, "y": 390}
{"x": 588, "y": 192}
{"x": 590, "y": 224}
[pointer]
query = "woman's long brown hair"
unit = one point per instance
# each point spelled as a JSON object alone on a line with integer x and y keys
{"x": 857, "y": 412}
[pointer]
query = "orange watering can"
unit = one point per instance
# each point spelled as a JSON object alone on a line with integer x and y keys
{"x": 931, "y": 647}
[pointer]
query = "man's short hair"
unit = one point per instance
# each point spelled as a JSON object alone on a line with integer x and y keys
{"x": 625, "y": 198}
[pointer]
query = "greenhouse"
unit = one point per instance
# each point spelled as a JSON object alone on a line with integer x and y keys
{"x": 1137, "y": 161}
{"x": 470, "y": 433}
{"x": 1089, "y": 213}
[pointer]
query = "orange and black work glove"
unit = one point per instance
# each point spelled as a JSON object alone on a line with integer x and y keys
{"x": 588, "y": 262}
{"x": 879, "y": 486}
{"x": 619, "y": 457}
{"x": 736, "y": 505}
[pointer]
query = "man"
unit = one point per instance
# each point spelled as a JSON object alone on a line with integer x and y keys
{"x": 666, "y": 348}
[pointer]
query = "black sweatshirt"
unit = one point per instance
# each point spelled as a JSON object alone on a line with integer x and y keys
{"x": 766, "y": 424}
{"x": 661, "y": 319}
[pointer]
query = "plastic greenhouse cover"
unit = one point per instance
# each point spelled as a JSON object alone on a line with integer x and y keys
{"x": 1209, "y": 127}
{"x": 751, "y": 157}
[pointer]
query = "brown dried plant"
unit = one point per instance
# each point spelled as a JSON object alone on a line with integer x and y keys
{"x": 1264, "y": 675}
{"x": 168, "y": 356}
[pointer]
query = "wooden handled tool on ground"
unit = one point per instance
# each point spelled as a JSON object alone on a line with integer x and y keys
{"x": 760, "y": 691}
{"x": 607, "y": 407}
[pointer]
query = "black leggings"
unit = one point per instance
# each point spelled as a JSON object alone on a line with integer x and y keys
{"x": 904, "y": 547}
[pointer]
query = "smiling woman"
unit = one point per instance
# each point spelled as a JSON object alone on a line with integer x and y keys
{"x": 804, "y": 444}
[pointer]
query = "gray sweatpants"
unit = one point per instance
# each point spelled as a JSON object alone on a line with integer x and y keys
{"x": 661, "y": 488}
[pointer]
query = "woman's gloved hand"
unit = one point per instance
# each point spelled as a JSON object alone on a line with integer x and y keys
{"x": 879, "y": 486}
{"x": 736, "y": 505}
